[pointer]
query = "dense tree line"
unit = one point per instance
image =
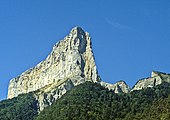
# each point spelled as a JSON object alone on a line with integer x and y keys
{"x": 91, "y": 101}
{"x": 23, "y": 107}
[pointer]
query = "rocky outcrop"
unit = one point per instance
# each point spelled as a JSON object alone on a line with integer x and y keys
{"x": 155, "y": 79}
{"x": 70, "y": 58}
{"x": 119, "y": 87}
{"x": 47, "y": 95}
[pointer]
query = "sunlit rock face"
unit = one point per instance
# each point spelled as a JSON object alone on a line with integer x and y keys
{"x": 156, "y": 79}
{"x": 70, "y": 63}
{"x": 119, "y": 87}
{"x": 47, "y": 95}
{"x": 71, "y": 57}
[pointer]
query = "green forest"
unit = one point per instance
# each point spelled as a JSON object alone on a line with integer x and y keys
{"x": 23, "y": 107}
{"x": 91, "y": 101}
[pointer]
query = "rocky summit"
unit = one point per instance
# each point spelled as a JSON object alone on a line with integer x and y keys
{"x": 70, "y": 63}
{"x": 71, "y": 57}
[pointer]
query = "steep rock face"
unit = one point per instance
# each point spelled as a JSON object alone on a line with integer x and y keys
{"x": 155, "y": 79}
{"x": 69, "y": 58}
{"x": 118, "y": 87}
{"x": 47, "y": 95}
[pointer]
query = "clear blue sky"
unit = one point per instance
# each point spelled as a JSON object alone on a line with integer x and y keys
{"x": 130, "y": 37}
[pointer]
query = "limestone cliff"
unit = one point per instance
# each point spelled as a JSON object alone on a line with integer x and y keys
{"x": 47, "y": 95}
{"x": 71, "y": 57}
{"x": 119, "y": 87}
{"x": 70, "y": 63}
{"x": 155, "y": 79}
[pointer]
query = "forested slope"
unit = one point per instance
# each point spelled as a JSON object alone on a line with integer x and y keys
{"x": 90, "y": 101}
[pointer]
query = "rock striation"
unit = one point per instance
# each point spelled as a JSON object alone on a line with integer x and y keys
{"x": 119, "y": 87}
{"x": 70, "y": 58}
{"x": 156, "y": 78}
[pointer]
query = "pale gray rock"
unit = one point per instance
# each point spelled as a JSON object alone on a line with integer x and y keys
{"x": 47, "y": 95}
{"x": 70, "y": 63}
{"x": 69, "y": 58}
{"x": 156, "y": 78}
{"x": 119, "y": 87}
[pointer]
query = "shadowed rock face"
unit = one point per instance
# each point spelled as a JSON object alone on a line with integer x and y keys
{"x": 71, "y": 57}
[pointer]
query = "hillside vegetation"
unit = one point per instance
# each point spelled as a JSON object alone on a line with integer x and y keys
{"x": 90, "y": 101}
{"x": 23, "y": 107}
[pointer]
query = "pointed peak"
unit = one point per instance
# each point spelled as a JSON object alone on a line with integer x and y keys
{"x": 154, "y": 73}
{"x": 77, "y": 30}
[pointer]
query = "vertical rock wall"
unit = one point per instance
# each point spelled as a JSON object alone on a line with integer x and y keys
{"x": 69, "y": 58}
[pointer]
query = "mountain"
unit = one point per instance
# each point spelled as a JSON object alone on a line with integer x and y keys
{"x": 70, "y": 63}
{"x": 71, "y": 57}
{"x": 66, "y": 85}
